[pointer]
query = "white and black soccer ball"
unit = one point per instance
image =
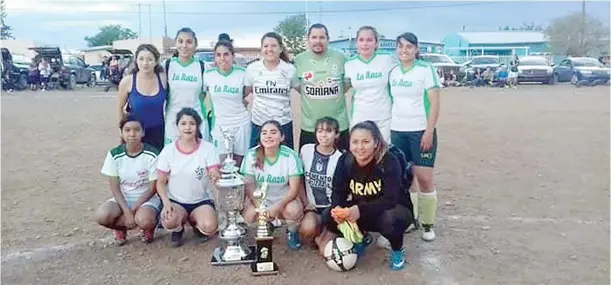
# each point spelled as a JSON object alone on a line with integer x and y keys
{"x": 340, "y": 255}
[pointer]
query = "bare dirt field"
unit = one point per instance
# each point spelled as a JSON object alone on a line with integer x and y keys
{"x": 522, "y": 177}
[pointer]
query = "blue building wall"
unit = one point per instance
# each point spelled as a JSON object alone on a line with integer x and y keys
{"x": 349, "y": 46}
{"x": 455, "y": 46}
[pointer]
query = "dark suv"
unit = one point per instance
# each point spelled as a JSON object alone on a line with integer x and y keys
{"x": 68, "y": 70}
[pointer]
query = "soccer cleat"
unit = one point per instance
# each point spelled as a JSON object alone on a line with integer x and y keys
{"x": 148, "y": 235}
{"x": 413, "y": 226}
{"x": 359, "y": 248}
{"x": 397, "y": 260}
{"x": 120, "y": 237}
{"x": 292, "y": 239}
{"x": 176, "y": 238}
{"x": 383, "y": 242}
{"x": 428, "y": 234}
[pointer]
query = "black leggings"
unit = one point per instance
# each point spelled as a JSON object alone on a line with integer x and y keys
{"x": 391, "y": 224}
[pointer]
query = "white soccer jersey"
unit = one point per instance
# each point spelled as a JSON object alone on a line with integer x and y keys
{"x": 271, "y": 91}
{"x": 226, "y": 93}
{"x": 408, "y": 89}
{"x": 188, "y": 180}
{"x": 185, "y": 83}
{"x": 276, "y": 173}
{"x": 319, "y": 170}
{"x": 134, "y": 172}
{"x": 369, "y": 79}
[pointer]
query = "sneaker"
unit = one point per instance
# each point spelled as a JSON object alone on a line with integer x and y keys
{"x": 359, "y": 248}
{"x": 413, "y": 226}
{"x": 177, "y": 238}
{"x": 199, "y": 236}
{"x": 428, "y": 234}
{"x": 397, "y": 260}
{"x": 383, "y": 242}
{"x": 292, "y": 239}
{"x": 120, "y": 237}
{"x": 148, "y": 235}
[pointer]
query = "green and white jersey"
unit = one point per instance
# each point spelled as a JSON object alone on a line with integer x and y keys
{"x": 369, "y": 80}
{"x": 409, "y": 91}
{"x": 134, "y": 172}
{"x": 226, "y": 91}
{"x": 321, "y": 81}
{"x": 185, "y": 85}
{"x": 277, "y": 173}
{"x": 271, "y": 91}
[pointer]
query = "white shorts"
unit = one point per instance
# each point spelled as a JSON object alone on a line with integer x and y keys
{"x": 171, "y": 129}
{"x": 383, "y": 125}
{"x": 241, "y": 139}
{"x": 513, "y": 74}
{"x": 154, "y": 202}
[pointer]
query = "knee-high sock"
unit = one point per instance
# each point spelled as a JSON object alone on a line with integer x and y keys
{"x": 428, "y": 207}
{"x": 414, "y": 197}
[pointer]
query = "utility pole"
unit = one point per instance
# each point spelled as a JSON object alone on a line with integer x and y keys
{"x": 320, "y": 11}
{"x": 307, "y": 13}
{"x": 165, "y": 21}
{"x": 150, "y": 24}
{"x": 139, "y": 21}
{"x": 582, "y": 33}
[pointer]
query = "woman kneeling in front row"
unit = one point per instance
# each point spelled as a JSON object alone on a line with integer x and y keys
{"x": 372, "y": 176}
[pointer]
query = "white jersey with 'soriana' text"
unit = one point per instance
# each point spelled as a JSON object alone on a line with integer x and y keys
{"x": 369, "y": 79}
{"x": 271, "y": 91}
{"x": 226, "y": 91}
{"x": 276, "y": 173}
{"x": 134, "y": 172}
{"x": 409, "y": 90}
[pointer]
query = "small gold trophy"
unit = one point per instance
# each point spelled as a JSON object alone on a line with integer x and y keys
{"x": 264, "y": 263}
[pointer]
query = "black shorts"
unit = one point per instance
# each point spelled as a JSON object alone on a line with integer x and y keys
{"x": 409, "y": 144}
{"x": 309, "y": 137}
{"x": 190, "y": 207}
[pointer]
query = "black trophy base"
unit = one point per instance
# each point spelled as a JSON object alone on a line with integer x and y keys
{"x": 264, "y": 268}
{"x": 217, "y": 261}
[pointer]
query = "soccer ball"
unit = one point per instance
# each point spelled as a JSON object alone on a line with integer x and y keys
{"x": 339, "y": 254}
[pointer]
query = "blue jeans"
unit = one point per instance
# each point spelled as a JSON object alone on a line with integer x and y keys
{"x": 287, "y": 130}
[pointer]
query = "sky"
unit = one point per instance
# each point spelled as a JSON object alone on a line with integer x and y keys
{"x": 67, "y": 22}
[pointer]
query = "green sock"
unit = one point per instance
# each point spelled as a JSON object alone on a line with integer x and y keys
{"x": 428, "y": 203}
{"x": 414, "y": 197}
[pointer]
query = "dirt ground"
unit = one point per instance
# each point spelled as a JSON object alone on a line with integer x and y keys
{"x": 522, "y": 177}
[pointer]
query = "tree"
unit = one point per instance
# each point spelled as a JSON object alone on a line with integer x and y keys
{"x": 525, "y": 27}
{"x": 5, "y": 31}
{"x": 109, "y": 34}
{"x": 293, "y": 29}
{"x": 578, "y": 36}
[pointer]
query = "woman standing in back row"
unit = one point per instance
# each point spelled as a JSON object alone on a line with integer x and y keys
{"x": 270, "y": 80}
{"x": 144, "y": 93}
{"x": 367, "y": 73}
{"x": 185, "y": 84}
{"x": 414, "y": 86}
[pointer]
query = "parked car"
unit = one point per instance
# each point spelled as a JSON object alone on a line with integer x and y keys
{"x": 535, "y": 69}
{"x": 578, "y": 69}
{"x": 481, "y": 62}
{"x": 208, "y": 58}
{"x": 18, "y": 67}
{"x": 445, "y": 63}
{"x": 68, "y": 70}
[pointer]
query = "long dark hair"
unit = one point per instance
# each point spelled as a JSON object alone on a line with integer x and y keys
{"x": 412, "y": 39}
{"x": 186, "y": 31}
{"x": 150, "y": 48}
{"x": 283, "y": 54}
{"x": 192, "y": 113}
{"x": 260, "y": 152}
{"x": 381, "y": 146}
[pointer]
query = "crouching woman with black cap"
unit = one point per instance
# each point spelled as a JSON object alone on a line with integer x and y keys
{"x": 371, "y": 175}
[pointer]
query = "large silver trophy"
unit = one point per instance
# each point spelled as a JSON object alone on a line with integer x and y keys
{"x": 230, "y": 198}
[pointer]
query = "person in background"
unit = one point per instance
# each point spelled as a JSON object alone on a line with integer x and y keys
{"x": 45, "y": 73}
{"x": 488, "y": 76}
{"x": 33, "y": 76}
{"x": 321, "y": 78}
{"x": 271, "y": 80}
{"x": 185, "y": 85}
{"x": 143, "y": 94}
{"x": 415, "y": 114}
{"x": 502, "y": 76}
{"x": 132, "y": 171}
{"x": 367, "y": 74}
{"x": 513, "y": 72}
{"x": 478, "y": 78}
{"x": 451, "y": 80}
{"x": 188, "y": 169}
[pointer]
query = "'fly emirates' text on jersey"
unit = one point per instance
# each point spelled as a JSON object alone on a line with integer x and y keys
{"x": 369, "y": 80}
{"x": 322, "y": 88}
{"x": 226, "y": 93}
{"x": 271, "y": 91}
{"x": 276, "y": 173}
{"x": 409, "y": 91}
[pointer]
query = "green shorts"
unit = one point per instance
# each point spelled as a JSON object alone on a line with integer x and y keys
{"x": 409, "y": 144}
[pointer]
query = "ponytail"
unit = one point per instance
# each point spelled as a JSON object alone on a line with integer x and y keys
{"x": 284, "y": 55}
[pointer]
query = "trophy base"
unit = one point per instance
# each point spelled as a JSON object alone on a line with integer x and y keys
{"x": 217, "y": 261}
{"x": 264, "y": 268}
